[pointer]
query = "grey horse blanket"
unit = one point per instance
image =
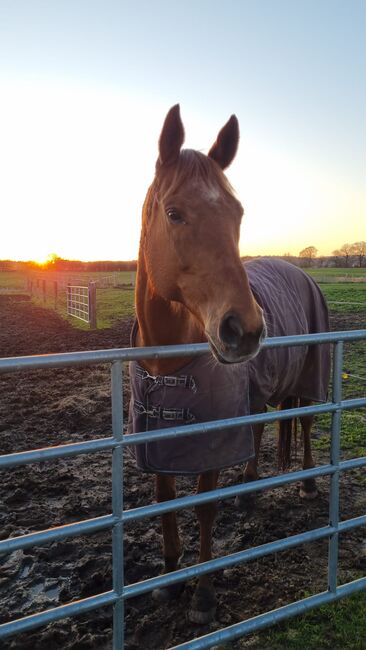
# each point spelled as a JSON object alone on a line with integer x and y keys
{"x": 205, "y": 390}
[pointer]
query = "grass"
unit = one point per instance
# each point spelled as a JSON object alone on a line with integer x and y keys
{"x": 12, "y": 282}
{"x": 338, "y": 626}
{"x": 345, "y": 297}
{"x": 353, "y": 423}
{"x": 113, "y": 305}
{"x": 337, "y": 273}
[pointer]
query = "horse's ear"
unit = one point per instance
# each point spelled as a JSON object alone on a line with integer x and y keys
{"x": 171, "y": 137}
{"x": 225, "y": 147}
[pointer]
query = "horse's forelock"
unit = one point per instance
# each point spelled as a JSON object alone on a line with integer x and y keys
{"x": 192, "y": 166}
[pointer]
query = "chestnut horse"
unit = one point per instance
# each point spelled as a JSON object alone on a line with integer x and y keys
{"x": 192, "y": 287}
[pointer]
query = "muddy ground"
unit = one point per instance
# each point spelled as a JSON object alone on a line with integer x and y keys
{"x": 44, "y": 408}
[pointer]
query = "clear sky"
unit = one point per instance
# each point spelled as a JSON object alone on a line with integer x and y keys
{"x": 85, "y": 86}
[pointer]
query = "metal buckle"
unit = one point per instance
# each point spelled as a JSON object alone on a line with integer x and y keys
{"x": 170, "y": 381}
{"x": 146, "y": 375}
{"x": 170, "y": 414}
{"x": 154, "y": 412}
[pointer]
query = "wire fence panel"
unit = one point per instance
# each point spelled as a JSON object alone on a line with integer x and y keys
{"x": 115, "y": 521}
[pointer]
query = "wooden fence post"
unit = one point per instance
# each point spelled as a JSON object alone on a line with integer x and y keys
{"x": 55, "y": 292}
{"x": 92, "y": 290}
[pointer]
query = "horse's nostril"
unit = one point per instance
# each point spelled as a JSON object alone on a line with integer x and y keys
{"x": 231, "y": 330}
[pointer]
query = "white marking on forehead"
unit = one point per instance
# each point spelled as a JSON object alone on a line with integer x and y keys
{"x": 208, "y": 191}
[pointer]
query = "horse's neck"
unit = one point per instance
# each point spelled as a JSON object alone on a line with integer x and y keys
{"x": 161, "y": 322}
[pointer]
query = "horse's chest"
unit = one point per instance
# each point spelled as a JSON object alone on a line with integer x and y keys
{"x": 202, "y": 391}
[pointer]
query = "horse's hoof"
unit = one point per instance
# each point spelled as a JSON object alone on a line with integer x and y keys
{"x": 166, "y": 594}
{"x": 203, "y": 607}
{"x": 308, "y": 495}
{"x": 202, "y": 618}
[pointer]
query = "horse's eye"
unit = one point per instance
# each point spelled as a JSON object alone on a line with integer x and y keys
{"x": 174, "y": 216}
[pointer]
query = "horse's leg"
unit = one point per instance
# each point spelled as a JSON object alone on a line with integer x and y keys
{"x": 247, "y": 501}
{"x": 165, "y": 491}
{"x": 203, "y": 606}
{"x": 308, "y": 489}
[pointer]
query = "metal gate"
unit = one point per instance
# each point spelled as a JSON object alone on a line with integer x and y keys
{"x": 119, "y": 516}
{"x": 81, "y": 303}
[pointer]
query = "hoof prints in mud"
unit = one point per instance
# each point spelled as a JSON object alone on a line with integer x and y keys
{"x": 39, "y": 409}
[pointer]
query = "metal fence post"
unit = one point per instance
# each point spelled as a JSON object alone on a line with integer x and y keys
{"x": 334, "y": 459}
{"x": 117, "y": 503}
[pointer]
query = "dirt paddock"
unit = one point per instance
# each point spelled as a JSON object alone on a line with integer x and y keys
{"x": 44, "y": 408}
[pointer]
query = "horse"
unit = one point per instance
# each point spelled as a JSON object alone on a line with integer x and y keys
{"x": 192, "y": 287}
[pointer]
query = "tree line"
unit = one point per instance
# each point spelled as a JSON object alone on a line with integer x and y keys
{"x": 345, "y": 256}
{"x": 349, "y": 252}
{"x": 55, "y": 263}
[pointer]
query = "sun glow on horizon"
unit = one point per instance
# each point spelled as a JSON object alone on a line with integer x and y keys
{"x": 78, "y": 164}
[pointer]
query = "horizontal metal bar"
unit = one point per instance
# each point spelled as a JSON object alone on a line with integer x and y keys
{"x": 167, "y": 579}
{"x": 240, "y": 557}
{"x": 228, "y": 423}
{"x": 108, "y": 521}
{"x": 59, "y": 532}
{"x": 155, "y": 509}
{"x": 350, "y": 524}
{"x": 133, "y": 354}
{"x": 101, "y": 600}
{"x": 61, "y": 451}
{"x": 353, "y": 463}
{"x": 271, "y": 618}
{"x": 56, "y": 613}
{"x": 103, "y": 444}
{"x": 241, "y": 488}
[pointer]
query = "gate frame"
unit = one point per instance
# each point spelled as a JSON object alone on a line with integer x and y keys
{"x": 119, "y": 516}
{"x": 87, "y": 311}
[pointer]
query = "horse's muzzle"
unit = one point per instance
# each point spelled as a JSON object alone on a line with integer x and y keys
{"x": 234, "y": 343}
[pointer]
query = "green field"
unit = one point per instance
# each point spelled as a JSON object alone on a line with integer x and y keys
{"x": 338, "y": 273}
{"x": 344, "y": 289}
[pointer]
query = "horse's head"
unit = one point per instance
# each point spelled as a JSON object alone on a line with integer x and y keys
{"x": 190, "y": 240}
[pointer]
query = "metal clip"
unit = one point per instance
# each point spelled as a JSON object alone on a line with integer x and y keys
{"x": 170, "y": 380}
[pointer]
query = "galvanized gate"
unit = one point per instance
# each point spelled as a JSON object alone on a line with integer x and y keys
{"x": 119, "y": 516}
{"x": 81, "y": 303}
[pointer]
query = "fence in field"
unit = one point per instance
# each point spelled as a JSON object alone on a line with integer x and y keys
{"x": 35, "y": 281}
{"x": 116, "y": 520}
{"x": 81, "y": 303}
{"x": 75, "y": 295}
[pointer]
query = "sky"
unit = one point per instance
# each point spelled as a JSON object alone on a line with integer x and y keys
{"x": 85, "y": 87}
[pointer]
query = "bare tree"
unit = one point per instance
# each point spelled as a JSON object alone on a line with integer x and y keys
{"x": 359, "y": 249}
{"x": 344, "y": 251}
{"x": 308, "y": 255}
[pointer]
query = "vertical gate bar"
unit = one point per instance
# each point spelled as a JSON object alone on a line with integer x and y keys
{"x": 117, "y": 503}
{"x": 334, "y": 460}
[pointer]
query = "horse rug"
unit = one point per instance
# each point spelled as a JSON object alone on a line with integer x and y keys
{"x": 204, "y": 390}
